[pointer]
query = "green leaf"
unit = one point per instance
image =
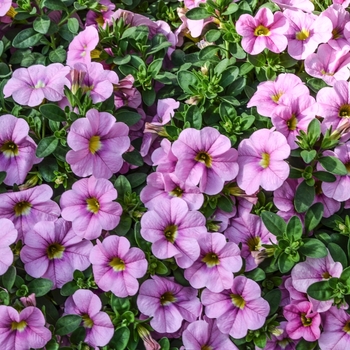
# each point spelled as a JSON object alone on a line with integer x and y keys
{"x": 313, "y": 248}
{"x": 229, "y": 76}
{"x": 58, "y": 56}
{"x": 40, "y": 286}
{"x": 69, "y": 288}
{"x": 26, "y": 38}
{"x": 46, "y": 146}
{"x": 345, "y": 276}
{"x": 73, "y": 25}
{"x": 53, "y": 112}
{"x": 305, "y": 345}
{"x": 324, "y": 176}
{"x": 320, "y": 291}
{"x": 308, "y": 156}
{"x": 134, "y": 157}
{"x": 313, "y": 216}
{"x": 161, "y": 268}
{"x": 274, "y": 223}
{"x": 2, "y": 176}
{"x": 164, "y": 343}
{"x": 136, "y": 179}
{"x": 52, "y": 345}
{"x": 194, "y": 117}
{"x": 225, "y": 204}
{"x": 304, "y": 196}
{"x": 122, "y": 185}
{"x": 67, "y": 324}
{"x": 119, "y": 305}
{"x": 294, "y": 228}
{"x": 285, "y": 263}
{"x": 42, "y": 24}
{"x": 148, "y": 97}
{"x": 124, "y": 225}
{"x": 54, "y": 5}
{"x": 78, "y": 335}
{"x": 273, "y": 297}
{"x": 333, "y": 165}
{"x": 120, "y": 339}
{"x": 257, "y": 60}
{"x": 9, "y": 278}
{"x": 232, "y": 8}
{"x": 316, "y": 84}
{"x": 257, "y": 274}
{"x": 338, "y": 254}
{"x": 212, "y": 35}
{"x": 198, "y": 13}
{"x": 128, "y": 117}
{"x": 245, "y": 68}
{"x": 187, "y": 79}
{"x": 155, "y": 66}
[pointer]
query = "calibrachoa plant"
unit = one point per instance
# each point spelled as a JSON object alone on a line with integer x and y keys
{"x": 175, "y": 175}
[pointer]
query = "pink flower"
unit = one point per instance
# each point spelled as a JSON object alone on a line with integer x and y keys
{"x": 261, "y": 161}
{"x": 268, "y": 95}
{"x": 306, "y": 31}
{"x": 237, "y": 310}
{"x": 17, "y": 149}
{"x": 80, "y": 48}
{"x": 8, "y": 235}
{"x": 103, "y": 17}
{"x": 336, "y": 330}
{"x": 168, "y": 303}
{"x": 174, "y": 231}
{"x": 205, "y": 334}
{"x": 205, "y": 157}
{"x": 5, "y": 6}
{"x": 97, "y": 143}
{"x": 90, "y": 207}
{"x": 125, "y": 94}
{"x": 24, "y": 330}
{"x": 26, "y": 208}
{"x": 98, "y": 325}
{"x": 29, "y": 86}
{"x": 265, "y": 30}
{"x": 52, "y": 250}
{"x": 344, "y": 3}
{"x": 217, "y": 261}
{"x": 164, "y": 157}
{"x": 305, "y": 5}
{"x": 116, "y": 266}
{"x": 329, "y": 64}
{"x": 302, "y": 322}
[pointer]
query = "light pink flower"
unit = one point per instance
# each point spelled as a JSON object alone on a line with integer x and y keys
{"x": 24, "y": 330}
{"x": 237, "y": 310}
{"x": 97, "y": 143}
{"x": 265, "y": 30}
{"x": 5, "y": 6}
{"x": 116, "y": 266}
{"x": 52, "y": 250}
{"x": 29, "y": 86}
{"x": 261, "y": 161}
{"x": 90, "y": 207}
{"x": 164, "y": 157}
{"x": 98, "y": 325}
{"x": 8, "y": 235}
{"x": 305, "y": 5}
{"x": 344, "y": 3}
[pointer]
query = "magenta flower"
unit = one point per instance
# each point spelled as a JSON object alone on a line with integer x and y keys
{"x": 52, "y": 250}
{"x": 265, "y": 30}
{"x": 125, "y": 94}
{"x": 90, "y": 207}
{"x": 249, "y": 231}
{"x": 237, "y": 310}
{"x": 8, "y": 235}
{"x": 97, "y": 143}
{"x": 268, "y": 95}
{"x": 302, "y": 322}
{"x": 336, "y": 330}
{"x": 174, "y": 231}
{"x": 98, "y": 325}
{"x": 261, "y": 161}
{"x": 205, "y": 334}
{"x": 24, "y": 330}
{"x": 26, "y": 208}
{"x": 168, "y": 303}
{"x": 80, "y": 48}
{"x": 17, "y": 149}
{"x": 116, "y": 266}
{"x": 217, "y": 261}
{"x": 29, "y": 86}
{"x": 306, "y": 31}
{"x": 103, "y": 17}
{"x": 205, "y": 157}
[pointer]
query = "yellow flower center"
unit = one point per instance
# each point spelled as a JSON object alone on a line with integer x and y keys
{"x": 336, "y": 34}
{"x": 95, "y": 53}
{"x": 261, "y": 31}
{"x": 99, "y": 20}
{"x": 326, "y": 275}
{"x": 206, "y": 347}
{"x": 87, "y": 321}
{"x": 93, "y": 205}
{"x": 211, "y": 259}
{"x": 347, "y": 166}
{"x": 167, "y": 298}
{"x": 323, "y": 72}
{"x": 305, "y": 321}
{"x": 94, "y": 144}
{"x": 11, "y": 12}
{"x": 254, "y": 244}
{"x": 346, "y": 327}
{"x": 117, "y": 264}
{"x": 22, "y": 208}
{"x": 55, "y": 251}
{"x": 344, "y": 111}
{"x": 40, "y": 84}
{"x": 302, "y": 35}
{"x": 204, "y": 158}
{"x": 292, "y": 122}
{"x": 10, "y": 149}
{"x": 265, "y": 160}
{"x": 276, "y": 97}
{"x": 237, "y": 301}
{"x": 18, "y": 326}
{"x": 170, "y": 233}
{"x": 176, "y": 192}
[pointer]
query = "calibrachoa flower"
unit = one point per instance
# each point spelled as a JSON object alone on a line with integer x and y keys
{"x": 24, "y": 330}
{"x": 215, "y": 266}
{"x": 17, "y": 149}
{"x": 174, "y": 231}
{"x": 205, "y": 157}
{"x": 116, "y": 266}
{"x": 29, "y": 86}
{"x": 265, "y": 30}
{"x": 90, "y": 207}
{"x": 237, "y": 310}
{"x": 97, "y": 143}
{"x": 168, "y": 303}
{"x": 164, "y": 158}
{"x": 302, "y": 322}
{"x": 26, "y": 208}
{"x": 8, "y": 235}
{"x": 205, "y": 335}
{"x": 5, "y": 5}
{"x": 336, "y": 330}
{"x": 305, "y": 5}
{"x": 98, "y": 326}
{"x": 52, "y": 250}
{"x": 261, "y": 161}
